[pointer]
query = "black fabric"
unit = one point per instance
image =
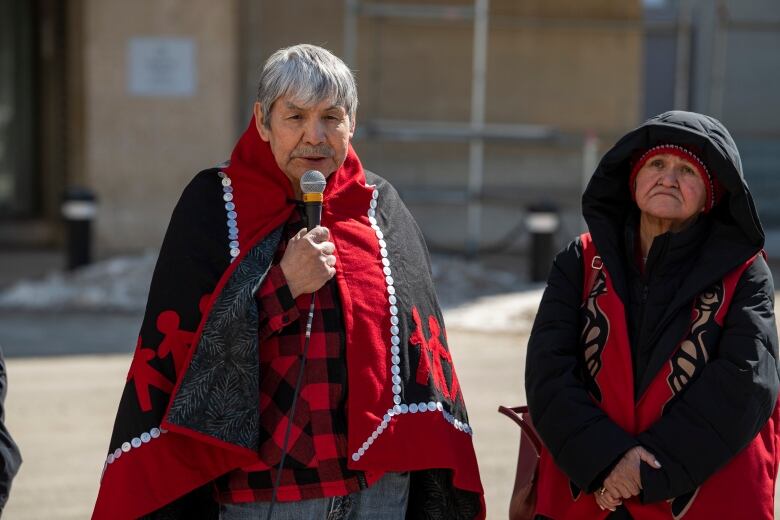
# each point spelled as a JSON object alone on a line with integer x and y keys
{"x": 731, "y": 401}
{"x": 670, "y": 260}
{"x": 198, "y": 218}
{"x": 411, "y": 266}
{"x": 197, "y": 505}
{"x": 10, "y": 457}
{"x": 621, "y": 513}
{"x": 432, "y": 497}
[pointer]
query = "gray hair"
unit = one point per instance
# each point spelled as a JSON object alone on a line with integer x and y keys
{"x": 309, "y": 75}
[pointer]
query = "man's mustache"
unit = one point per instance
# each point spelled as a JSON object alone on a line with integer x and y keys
{"x": 313, "y": 151}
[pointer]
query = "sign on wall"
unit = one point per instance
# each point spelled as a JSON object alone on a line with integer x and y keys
{"x": 161, "y": 66}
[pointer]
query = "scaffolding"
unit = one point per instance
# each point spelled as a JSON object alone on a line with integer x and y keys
{"x": 476, "y": 132}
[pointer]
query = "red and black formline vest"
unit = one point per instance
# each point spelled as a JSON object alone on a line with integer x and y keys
{"x": 750, "y": 475}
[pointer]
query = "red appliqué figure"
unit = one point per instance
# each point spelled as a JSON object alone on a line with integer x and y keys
{"x": 145, "y": 376}
{"x": 432, "y": 352}
{"x": 176, "y": 342}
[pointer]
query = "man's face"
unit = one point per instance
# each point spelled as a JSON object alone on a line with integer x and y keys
{"x": 314, "y": 137}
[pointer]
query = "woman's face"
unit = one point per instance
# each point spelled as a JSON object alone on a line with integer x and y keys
{"x": 669, "y": 188}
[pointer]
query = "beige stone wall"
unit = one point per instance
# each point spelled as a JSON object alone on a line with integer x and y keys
{"x": 268, "y": 25}
{"x": 573, "y": 64}
{"x": 575, "y": 78}
{"x": 141, "y": 151}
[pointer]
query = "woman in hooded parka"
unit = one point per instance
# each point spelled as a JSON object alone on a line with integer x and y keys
{"x": 652, "y": 372}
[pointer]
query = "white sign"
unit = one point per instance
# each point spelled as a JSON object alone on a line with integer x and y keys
{"x": 161, "y": 67}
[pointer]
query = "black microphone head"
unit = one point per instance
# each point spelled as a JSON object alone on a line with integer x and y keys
{"x": 313, "y": 182}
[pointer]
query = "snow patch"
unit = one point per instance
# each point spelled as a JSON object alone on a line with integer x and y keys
{"x": 118, "y": 284}
{"x": 474, "y": 297}
{"x": 511, "y": 313}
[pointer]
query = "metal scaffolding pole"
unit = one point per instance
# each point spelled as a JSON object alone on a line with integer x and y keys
{"x": 682, "y": 65}
{"x": 350, "y": 32}
{"x": 477, "y": 145}
{"x": 719, "y": 53}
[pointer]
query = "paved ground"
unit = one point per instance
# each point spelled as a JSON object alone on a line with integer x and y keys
{"x": 61, "y": 410}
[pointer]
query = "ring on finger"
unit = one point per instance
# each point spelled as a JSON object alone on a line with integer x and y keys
{"x": 602, "y": 490}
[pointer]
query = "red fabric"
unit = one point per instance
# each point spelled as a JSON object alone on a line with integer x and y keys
{"x": 183, "y": 460}
{"x": 715, "y": 498}
{"x": 714, "y": 191}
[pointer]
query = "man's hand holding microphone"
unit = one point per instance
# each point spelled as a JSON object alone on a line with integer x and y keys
{"x": 309, "y": 261}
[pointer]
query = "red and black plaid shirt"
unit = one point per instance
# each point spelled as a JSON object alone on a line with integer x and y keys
{"x": 316, "y": 462}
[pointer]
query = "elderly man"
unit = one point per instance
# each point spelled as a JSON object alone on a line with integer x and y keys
{"x": 211, "y": 423}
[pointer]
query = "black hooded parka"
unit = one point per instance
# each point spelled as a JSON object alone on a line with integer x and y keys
{"x": 720, "y": 412}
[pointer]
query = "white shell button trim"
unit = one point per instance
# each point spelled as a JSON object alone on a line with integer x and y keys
{"x": 232, "y": 216}
{"x": 134, "y": 443}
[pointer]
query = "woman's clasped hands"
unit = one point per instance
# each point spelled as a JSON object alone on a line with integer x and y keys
{"x": 624, "y": 481}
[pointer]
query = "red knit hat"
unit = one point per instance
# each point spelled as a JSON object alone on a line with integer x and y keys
{"x": 711, "y": 184}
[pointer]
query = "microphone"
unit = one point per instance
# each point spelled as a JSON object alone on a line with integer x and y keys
{"x": 312, "y": 185}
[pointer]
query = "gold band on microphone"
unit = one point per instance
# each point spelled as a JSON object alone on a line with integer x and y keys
{"x": 312, "y": 197}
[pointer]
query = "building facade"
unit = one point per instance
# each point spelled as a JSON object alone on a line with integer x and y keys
{"x": 131, "y": 99}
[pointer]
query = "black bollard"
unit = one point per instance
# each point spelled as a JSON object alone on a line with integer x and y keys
{"x": 542, "y": 222}
{"x": 79, "y": 207}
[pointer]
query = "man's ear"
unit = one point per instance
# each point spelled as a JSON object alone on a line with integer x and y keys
{"x": 352, "y": 126}
{"x": 261, "y": 129}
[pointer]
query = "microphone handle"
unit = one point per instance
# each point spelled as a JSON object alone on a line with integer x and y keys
{"x": 313, "y": 214}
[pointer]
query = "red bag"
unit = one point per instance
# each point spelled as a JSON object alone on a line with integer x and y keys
{"x": 523, "y": 502}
